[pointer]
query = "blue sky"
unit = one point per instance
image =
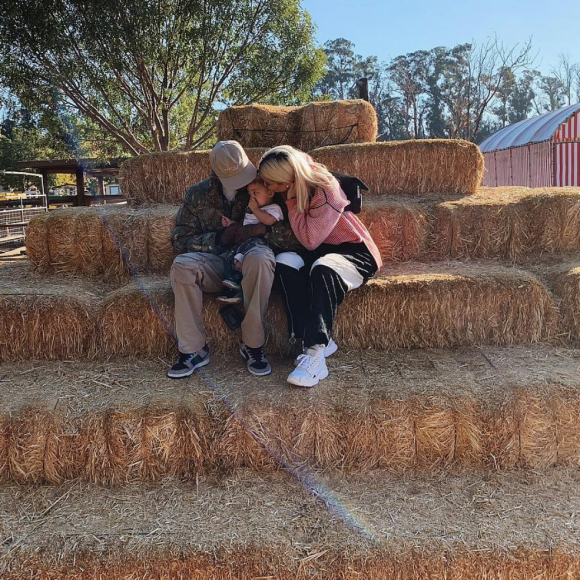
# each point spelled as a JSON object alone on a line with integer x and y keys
{"x": 387, "y": 29}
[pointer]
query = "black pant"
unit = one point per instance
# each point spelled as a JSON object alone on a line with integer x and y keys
{"x": 312, "y": 295}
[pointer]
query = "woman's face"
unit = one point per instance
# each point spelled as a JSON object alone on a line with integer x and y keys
{"x": 276, "y": 187}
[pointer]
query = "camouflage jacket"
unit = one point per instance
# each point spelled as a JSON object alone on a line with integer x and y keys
{"x": 199, "y": 220}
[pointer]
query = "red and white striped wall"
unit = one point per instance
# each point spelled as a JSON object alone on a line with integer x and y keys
{"x": 569, "y": 131}
{"x": 566, "y": 164}
{"x": 528, "y": 166}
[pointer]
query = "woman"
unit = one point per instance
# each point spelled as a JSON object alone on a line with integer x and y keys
{"x": 340, "y": 256}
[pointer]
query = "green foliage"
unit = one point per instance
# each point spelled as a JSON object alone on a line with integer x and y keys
{"x": 152, "y": 74}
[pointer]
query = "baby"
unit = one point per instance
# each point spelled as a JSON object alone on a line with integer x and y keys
{"x": 260, "y": 211}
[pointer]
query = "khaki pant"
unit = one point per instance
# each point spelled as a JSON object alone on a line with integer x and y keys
{"x": 194, "y": 273}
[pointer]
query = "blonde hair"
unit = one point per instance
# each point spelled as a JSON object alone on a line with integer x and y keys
{"x": 284, "y": 164}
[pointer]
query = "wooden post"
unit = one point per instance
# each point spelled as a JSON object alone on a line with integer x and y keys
{"x": 101, "y": 185}
{"x": 80, "y": 175}
{"x": 44, "y": 174}
{"x": 363, "y": 88}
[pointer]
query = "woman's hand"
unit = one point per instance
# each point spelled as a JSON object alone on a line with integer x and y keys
{"x": 226, "y": 221}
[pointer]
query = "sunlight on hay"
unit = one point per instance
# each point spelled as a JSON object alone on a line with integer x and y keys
{"x": 445, "y": 308}
{"x": 435, "y": 562}
{"x": 409, "y": 167}
{"x": 511, "y": 223}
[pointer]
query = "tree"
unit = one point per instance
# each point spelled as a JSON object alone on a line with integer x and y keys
{"x": 566, "y": 73}
{"x": 553, "y": 94}
{"x": 153, "y": 73}
{"x": 343, "y": 68}
{"x": 408, "y": 73}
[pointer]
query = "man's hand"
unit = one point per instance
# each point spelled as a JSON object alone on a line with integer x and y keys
{"x": 251, "y": 231}
{"x": 227, "y": 237}
{"x": 226, "y": 221}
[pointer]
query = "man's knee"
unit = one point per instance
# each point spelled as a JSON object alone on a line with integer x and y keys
{"x": 186, "y": 268}
{"x": 259, "y": 259}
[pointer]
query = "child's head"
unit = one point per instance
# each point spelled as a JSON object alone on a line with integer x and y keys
{"x": 260, "y": 192}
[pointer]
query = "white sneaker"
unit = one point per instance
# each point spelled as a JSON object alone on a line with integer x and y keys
{"x": 329, "y": 350}
{"x": 311, "y": 368}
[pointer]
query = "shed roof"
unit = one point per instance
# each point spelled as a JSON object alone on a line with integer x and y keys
{"x": 534, "y": 130}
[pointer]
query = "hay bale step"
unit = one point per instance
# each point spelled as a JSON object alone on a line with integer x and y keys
{"x": 564, "y": 279}
{"x": 161, "y": 178}
{"x": 479, "y": 409}
{"x": 276, "y": 527}
{"x": 416, "y": 168}
{"x": 513, "y": 224}
{"x": 407, "y": 306}
{"x": 304, "y": 127}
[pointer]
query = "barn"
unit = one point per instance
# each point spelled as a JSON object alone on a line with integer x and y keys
{"x": 543, "y": 151}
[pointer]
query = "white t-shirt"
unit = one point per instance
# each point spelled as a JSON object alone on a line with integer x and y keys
{"x": 273, "y": 209}
{"x": 229, "y": 192}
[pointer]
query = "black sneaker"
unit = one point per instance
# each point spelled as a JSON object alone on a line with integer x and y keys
{"x": 257, "y": 363}
{"x": 187, "y": 363}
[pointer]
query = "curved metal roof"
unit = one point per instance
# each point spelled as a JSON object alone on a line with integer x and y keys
{"x": 534, "y": 130}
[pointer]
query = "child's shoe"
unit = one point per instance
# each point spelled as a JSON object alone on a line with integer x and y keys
{"x": 232, "y": 297}
{"x": 232, "y": 284}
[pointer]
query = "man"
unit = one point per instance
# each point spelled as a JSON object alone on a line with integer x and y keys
{"x": 201, "y": 241}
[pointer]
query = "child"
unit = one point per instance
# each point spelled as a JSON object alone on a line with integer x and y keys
{"x": 260, "y": 210}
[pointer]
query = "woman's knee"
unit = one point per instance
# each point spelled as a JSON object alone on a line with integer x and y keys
{"x": 290, "y": 259}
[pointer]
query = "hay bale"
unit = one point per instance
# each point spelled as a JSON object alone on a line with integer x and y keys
{"x": 565, "y": 279}
{"x": 36, "y": 242}
{"x": 161, "y": 223}
{"x": 163, "y": 177}
{"x": 382, "y": 436}
{"x": 62, "y": 239}
{"x": 123, "y": 431}
{"x": 258, "y": 125}
{"x": 538, "y": 431}
{"x": 125, "y": 241}
{"x": 446, "y": 305}
{"x": 64, "y": 453}
{"x": 45, "y": 318}
{"x": 501, "y": 428}
{"x": 89, "y": 252}
{"x": 415, "y": 306}
{"x": 434, "y": 433}
{"x": 29, "y": 431}
{"x": 335, "y": 122}
{"x": 567, "y": 422}
{"x": 137, "y": 320}
{"x": 399, "y": 228}
{"x": 429, "y": 166}
{"x": 313, "y": 125}
{"x": 511, "y": 223}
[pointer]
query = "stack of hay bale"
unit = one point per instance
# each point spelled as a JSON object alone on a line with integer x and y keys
{"x": 401, "y": 463}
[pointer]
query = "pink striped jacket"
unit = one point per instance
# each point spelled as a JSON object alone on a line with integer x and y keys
{"x": 327, "y": 222}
